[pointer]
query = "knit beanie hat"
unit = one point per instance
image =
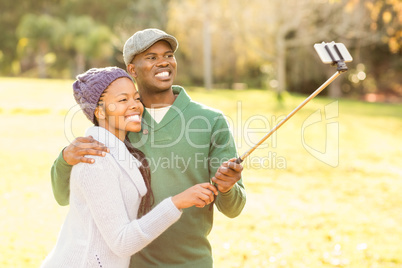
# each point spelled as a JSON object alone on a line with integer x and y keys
{"x": 90, "y": 85}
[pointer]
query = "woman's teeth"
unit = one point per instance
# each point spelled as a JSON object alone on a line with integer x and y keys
{"x": 135, "y": 117}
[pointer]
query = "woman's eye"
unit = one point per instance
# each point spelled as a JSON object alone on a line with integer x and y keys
{"x": 122, "y": 100}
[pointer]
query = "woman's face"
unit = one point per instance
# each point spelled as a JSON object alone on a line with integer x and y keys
{"x": 120, "y": 109}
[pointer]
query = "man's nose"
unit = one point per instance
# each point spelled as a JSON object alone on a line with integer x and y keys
{"x": 163, "y": 62}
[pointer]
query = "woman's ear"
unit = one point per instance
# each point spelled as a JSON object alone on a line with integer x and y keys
{"x": 131, "y": 70}
{"x": 100, "y": 112}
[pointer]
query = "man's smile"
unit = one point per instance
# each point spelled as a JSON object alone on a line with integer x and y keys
{"x": 163, "y": 74}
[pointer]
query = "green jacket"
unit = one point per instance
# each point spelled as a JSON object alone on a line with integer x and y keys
{"x": 184, "y": 149}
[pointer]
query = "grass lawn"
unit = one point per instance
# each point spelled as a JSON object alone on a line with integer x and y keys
{"x": 325, "y": 191}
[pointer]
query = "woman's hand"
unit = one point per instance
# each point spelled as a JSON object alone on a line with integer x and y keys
{"x": 198, "y": 195}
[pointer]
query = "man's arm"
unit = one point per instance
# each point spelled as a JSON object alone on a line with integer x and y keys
{"x": 72, "y": 155}
{"x": 232, "y": 197}
{"x": 60, "y": 174}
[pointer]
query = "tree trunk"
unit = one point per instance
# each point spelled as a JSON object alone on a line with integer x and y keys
{"x": 207, "y": 49}
{"x": 41, "y": 59}
{"x": 334, "y": 89}
{"x": 281, "y": 66}
{"x": 79, "y": 63}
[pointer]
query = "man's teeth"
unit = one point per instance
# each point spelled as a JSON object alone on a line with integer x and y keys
{"x": 134, "y": 117}
{"x": 162, "y": 74}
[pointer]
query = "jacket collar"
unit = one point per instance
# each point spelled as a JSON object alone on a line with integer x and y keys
{"x": 121, "y": 154}
{"x": 177, "y": 109}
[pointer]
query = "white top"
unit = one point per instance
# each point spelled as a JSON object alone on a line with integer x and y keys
{"x": 158, "y": 113}
{"x": 101, "y": 229}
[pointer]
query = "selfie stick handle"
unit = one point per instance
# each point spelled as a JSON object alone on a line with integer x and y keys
{"x": 315, "y": 93}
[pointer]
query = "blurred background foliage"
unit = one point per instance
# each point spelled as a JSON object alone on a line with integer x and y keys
{"x": 223, "y": 44}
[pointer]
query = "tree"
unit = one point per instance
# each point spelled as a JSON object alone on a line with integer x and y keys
{"x": 11, "y": 14}
{"x": 39, "y": 31}
{"x": 85, "y": 40}
{"x": 230, "y": 55}
{"x": 386, "y": 21}
{"x": 141, "y": 14}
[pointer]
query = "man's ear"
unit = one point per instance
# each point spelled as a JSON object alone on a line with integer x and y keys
{"x": 131, "y": 70}
{"x": 100, "y": 112}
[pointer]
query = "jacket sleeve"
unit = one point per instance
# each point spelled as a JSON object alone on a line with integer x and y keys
{"x": 60, "y": 177}
{"x": 99, "y": 184}
{"x": 223, "y": 148}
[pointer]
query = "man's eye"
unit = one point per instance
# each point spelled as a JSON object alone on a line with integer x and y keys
{"x": 122, "y": 100}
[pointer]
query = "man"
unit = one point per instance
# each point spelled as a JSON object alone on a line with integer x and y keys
{"x": 185, "y": 143}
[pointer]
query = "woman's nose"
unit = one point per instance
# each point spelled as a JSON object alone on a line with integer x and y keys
{"x": 134, "y": 104}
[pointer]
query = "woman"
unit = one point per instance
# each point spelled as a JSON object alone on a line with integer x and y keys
{"x": 101, "y": 228}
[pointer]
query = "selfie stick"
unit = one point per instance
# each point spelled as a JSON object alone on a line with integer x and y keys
{"x": 341, "y": 67}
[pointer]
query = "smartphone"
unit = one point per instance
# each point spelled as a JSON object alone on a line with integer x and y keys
{"x": 326, "y": 57}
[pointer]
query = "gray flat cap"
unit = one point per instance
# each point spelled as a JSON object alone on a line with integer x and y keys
{"x": 142, "y": 40}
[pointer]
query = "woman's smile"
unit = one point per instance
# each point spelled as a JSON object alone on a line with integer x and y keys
{"x": 133, "y": 118}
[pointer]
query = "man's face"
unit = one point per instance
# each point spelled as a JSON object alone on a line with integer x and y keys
{"x": 154, "y": 69}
